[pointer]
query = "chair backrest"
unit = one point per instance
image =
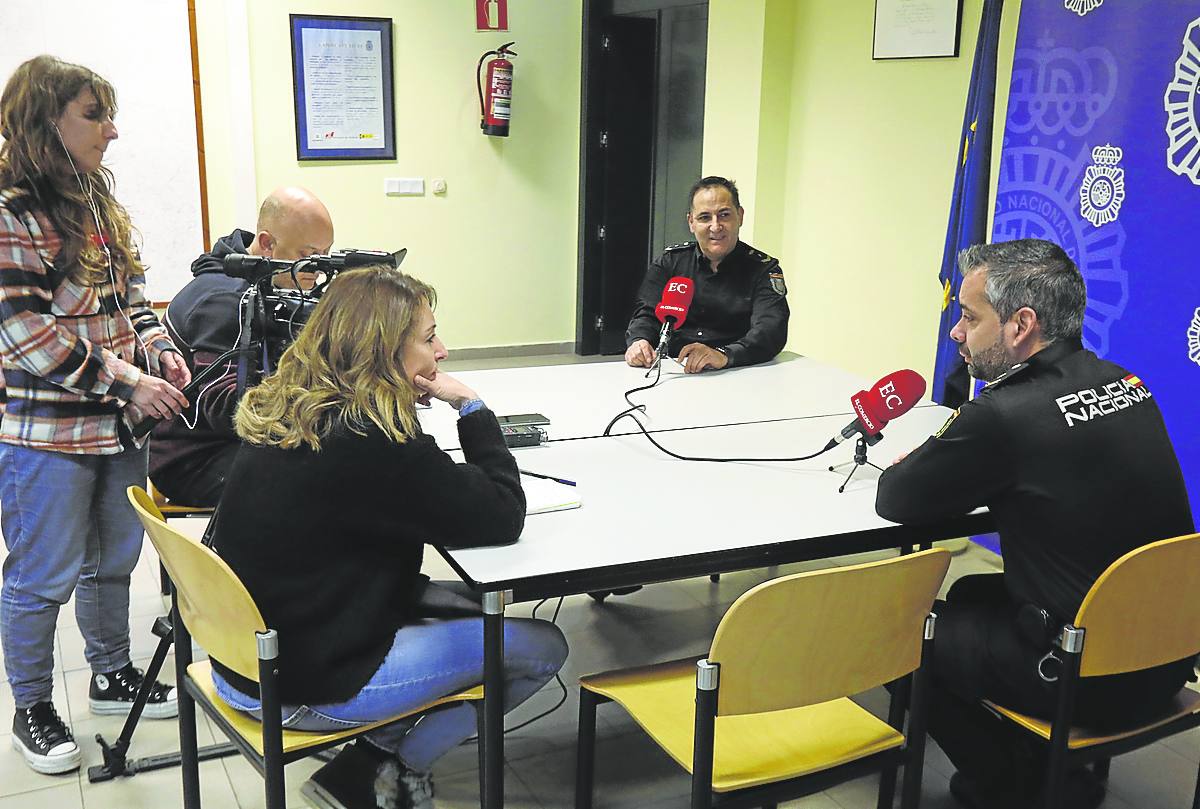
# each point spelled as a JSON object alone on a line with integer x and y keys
{"x": 812, "y": 637}
{"x": 213, "y": 602}
{"x": 1144, "y": 610}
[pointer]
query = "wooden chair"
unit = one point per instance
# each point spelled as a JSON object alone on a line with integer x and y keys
{"x": 766, "y": 716}
{"x": 211, "y": 604}
{"x": 1142, "y": 612}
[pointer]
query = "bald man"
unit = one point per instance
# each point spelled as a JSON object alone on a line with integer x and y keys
{"x": 190, "y": 455}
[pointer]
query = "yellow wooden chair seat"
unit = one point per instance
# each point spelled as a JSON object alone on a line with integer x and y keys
{"x": 750, "y": 749}
{"x": 1186, "y": 702}
{"x": 250, "y": 728}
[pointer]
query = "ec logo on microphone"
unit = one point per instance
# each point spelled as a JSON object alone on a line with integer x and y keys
{"x": 677, "y": 286}
{"x": 890, "y": 397}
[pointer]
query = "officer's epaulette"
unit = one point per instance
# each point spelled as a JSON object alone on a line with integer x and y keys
{"x": 681, "y": 246}
{"x": 759, "y": 257}
{"x": 1014, "y": 371}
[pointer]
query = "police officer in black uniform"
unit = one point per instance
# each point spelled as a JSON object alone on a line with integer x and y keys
{"x": 1070, "y": 454}
{"x": 739, "y": 314}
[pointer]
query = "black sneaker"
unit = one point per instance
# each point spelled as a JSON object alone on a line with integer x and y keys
{"x": 359, "y": 777}
{"x": 114, "y": 692}
{"x": 44, "y": 740}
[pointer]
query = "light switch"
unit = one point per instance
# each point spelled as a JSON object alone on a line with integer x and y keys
{"x": 404, "y": 186}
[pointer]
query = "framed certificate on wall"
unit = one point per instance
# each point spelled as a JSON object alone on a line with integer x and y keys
{"x": 342, "y": 80}
{"x": 912, "y": 29}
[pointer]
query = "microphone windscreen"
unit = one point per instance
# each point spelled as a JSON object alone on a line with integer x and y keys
{"x": 676, "y": 299}
{"x": 898, "y": 392}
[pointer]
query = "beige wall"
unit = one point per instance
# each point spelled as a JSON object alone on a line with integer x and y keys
{"x": 850, "y": 162}
{"x": 500, "y": 245}
{"x": 845, "y": 164}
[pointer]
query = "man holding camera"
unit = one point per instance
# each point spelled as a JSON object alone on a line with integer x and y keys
{"x": 190, "y": 454}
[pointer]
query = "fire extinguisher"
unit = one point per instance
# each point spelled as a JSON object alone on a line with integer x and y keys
{"x": 496, "y": 110}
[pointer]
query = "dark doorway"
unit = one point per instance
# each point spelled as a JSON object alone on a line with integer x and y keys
{"x": 642, "y": 133}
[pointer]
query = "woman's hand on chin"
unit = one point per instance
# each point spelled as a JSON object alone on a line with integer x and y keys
{"x": 446, "y": 388}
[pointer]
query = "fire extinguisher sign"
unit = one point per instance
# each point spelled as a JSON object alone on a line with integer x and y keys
{"x": 491, "y": 15}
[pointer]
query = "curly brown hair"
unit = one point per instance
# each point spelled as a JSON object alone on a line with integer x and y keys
{"x": 33, "y": 157}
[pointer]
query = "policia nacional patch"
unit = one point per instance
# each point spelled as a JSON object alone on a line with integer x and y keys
{"x": 777, "y": 283}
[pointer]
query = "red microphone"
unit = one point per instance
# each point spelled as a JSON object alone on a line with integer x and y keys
{"x": 890, "y": 397}
{"x": 672, "y": 309}
{"x": 676, "y": 299}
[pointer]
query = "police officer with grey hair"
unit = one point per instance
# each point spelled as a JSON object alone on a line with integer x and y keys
{"x": 1071, "y": 455}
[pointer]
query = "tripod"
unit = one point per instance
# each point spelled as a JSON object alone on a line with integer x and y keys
{"x": 860, "y": 458}
{"x": 116, "y": 761}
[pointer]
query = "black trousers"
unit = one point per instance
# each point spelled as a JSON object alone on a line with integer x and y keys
{"x": 979, "y": 653}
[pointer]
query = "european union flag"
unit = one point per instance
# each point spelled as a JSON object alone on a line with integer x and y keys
{"x": 969, "y": 206}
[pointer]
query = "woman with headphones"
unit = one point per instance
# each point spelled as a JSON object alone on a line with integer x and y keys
{"x": 325, "y": 516}
{"x": 82, "y": 357}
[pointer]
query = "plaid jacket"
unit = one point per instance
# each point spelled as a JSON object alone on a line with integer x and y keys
{"x": 69, "y": 353}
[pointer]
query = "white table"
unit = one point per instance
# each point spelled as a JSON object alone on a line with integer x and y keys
{"x": 647, "y": 517}
{"x": 580, "y": 400}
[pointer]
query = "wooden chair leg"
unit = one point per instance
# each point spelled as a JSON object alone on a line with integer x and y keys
{"x": 585, "y": 750}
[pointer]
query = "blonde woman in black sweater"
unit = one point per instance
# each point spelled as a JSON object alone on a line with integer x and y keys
{"x": 325, "y": 516}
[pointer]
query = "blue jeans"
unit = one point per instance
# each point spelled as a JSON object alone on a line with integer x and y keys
{"x": 429, "y": 659}
{"x": 68, "y": 526}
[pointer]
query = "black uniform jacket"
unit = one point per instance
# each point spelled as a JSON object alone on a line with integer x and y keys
{"x": 741, "y": 309}
{"x": 1070, "y": 454}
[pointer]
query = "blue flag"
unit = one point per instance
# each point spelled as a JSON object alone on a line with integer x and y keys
{"x": 969, "y": 205}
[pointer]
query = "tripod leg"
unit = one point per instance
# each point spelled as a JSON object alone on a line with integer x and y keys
{"x": 115, "y": 762}
{"x": 846, "y": 482}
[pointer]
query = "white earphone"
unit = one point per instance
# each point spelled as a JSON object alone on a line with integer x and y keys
{"x": 103, "y": 244}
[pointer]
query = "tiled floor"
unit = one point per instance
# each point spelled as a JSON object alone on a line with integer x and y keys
{"x": 660, "y": 622}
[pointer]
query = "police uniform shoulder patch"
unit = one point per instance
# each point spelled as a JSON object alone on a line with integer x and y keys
{"x": 776, "y": 278}
{"x": 681, "y": 246}
{"x": 1007, "y": 375}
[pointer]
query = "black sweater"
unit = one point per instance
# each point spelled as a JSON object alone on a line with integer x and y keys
{"x": 330, "y": 543}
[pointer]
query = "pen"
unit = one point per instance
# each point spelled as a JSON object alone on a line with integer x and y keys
{"x": 563, "y": 481}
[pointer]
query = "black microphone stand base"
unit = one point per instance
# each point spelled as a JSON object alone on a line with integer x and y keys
{"x": 860, "y": 459}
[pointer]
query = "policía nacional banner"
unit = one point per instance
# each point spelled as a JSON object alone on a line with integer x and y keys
{"x": 1101, "y": 155}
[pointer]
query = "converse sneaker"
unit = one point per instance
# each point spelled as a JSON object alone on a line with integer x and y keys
{"x": 43, "y": 739}
{"x": 360, "y": 776}
{"x": 114, "y": 693}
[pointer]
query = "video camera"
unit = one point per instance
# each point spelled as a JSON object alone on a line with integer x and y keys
{"x": 275, "y": 315}
{"x": 271, "y": 318}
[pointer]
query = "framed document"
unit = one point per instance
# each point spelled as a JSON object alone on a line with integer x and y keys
{"x": 342, "y": 81}
{"x": 911, "y": 29}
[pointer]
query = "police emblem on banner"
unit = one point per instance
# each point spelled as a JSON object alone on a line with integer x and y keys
{"x": 1082, "y": 7}
{"x": 1194, "y": 338}
{"x": 1037, "y": 199}
{"x": 1103, "y": 188}
{"x": 1082, "y": 82}
{"x": 1182, "y": 103}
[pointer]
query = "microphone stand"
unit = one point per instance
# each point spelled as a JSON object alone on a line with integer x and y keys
{"x": 860, "y": 458}
{"x": 660, "y": 353}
